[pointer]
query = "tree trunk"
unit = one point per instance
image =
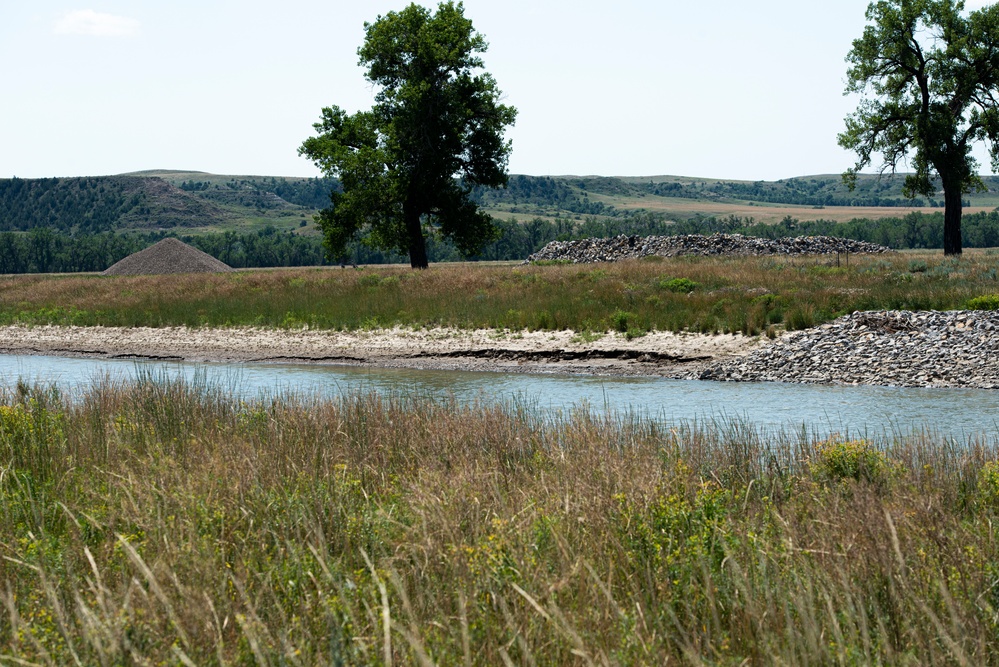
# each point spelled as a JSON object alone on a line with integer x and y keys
{"x": 952, "y": 218}
{"x": 417, "y": 244}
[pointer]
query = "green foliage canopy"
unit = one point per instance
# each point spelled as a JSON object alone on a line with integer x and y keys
{"x": 929, "y": 73}
{"x": 434, "y": 133}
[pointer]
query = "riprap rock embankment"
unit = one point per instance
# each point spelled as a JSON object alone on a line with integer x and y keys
{"x": 895, "y": 348}
{"x": 633, "y": 247}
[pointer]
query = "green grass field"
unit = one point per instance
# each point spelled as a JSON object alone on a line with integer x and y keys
{"x": 747, "y": 294}
{"x": 168, "y": 523}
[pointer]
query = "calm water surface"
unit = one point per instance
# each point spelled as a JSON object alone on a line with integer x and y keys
{"x": 959, "y": 413}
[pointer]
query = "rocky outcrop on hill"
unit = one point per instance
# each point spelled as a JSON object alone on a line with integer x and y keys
{"x": 632, "y": 247}
{"x": 894, "y": 348}
{"x": 253, "y": 198}
{"x": 164, "y": 206}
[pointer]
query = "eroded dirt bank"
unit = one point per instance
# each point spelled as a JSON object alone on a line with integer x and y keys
{"x": 661, "y": 353}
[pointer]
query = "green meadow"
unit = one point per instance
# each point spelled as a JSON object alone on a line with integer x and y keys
{"x": 753, "y": 295}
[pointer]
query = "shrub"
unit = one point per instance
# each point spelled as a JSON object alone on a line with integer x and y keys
{"x": 586, "y": 336}
{"x": 679, "y": 285}
{"x": 801, "y": 317}
{"x": 769, "y": 301}
{"x": 988, "y": 485}
{"x": 620, "y": 319}
{"x": 858, "y": 460}
{"x": 634, "y": 332}
{"x": 984, "y": 302}
{"x": 31, "y": 438}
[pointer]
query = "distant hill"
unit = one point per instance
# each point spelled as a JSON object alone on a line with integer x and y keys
{"x": 89, "y": 223}
{"x": 148, "y": 201}
{"x": 193, "y": 202}
{"x": 100, "y": 203}
{"x": 684, "y": 197}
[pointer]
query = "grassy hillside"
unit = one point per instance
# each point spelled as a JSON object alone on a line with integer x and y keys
{"x": 101, "y": 203}
{"x": 150, "y": 201}
{"x": 195, "y": 202}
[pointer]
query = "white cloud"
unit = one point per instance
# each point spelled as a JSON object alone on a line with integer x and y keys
{"x": 89, "y": 22}
{"x": 977, "y": 4}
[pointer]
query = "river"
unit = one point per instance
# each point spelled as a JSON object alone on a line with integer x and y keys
{"x": 872, "y": 411}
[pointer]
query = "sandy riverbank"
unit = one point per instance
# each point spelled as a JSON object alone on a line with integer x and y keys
{"x": 662, "y": 353}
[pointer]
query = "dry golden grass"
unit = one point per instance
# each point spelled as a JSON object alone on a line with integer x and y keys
{"x": 163, "y": 523}
{"x": 747, "y": 294}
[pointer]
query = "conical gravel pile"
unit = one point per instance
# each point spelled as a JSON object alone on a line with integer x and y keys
{"x": 167, "y": 256}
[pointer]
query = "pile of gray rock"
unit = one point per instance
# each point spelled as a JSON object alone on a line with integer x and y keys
{"x": 631, "y": 247}
{"x": 168, "y": 256}
{"x": 895, "y": 348}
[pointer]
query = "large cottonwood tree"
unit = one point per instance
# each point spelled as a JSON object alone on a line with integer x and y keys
{"x": 928, "y": 73}
{"x": 407, "y": 166}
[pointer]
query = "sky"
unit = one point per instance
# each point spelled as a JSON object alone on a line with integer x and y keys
{"x": 711, "y": 88}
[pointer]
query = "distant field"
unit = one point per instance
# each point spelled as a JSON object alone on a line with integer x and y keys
{"x": 763, "y": 212}
{"x": 806, "y": 198}
{"x": 683, "y": 209}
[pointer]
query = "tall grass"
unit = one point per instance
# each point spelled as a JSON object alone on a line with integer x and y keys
{"x": 161, "y": 522}
{"x": 695, "y": 294}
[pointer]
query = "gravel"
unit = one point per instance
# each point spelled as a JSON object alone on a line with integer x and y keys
{"x": 167, "y": 256}
{"x": 632, "y": 247}
{"x": 957, "y": 348}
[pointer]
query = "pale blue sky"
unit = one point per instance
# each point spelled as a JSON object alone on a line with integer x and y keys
{"x": 723, "y": 88}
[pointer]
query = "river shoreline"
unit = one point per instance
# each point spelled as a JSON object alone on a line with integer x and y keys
{"x": 657, "y": 354}
{"x": 895, "y": 348}
{"x": 878, "y": 348}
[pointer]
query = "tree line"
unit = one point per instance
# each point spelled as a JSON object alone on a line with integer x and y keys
{"x": 530, "y": 194}
{"x": 44, "y": 250}
{"x": 791, "y": 192}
